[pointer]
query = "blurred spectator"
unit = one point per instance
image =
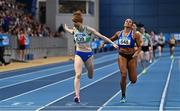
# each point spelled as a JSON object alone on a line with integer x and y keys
{"x": 5, "y": 23}
{"x": 21, "y": 41}
{"x": 14, "y": 16}
{"x": 2, "y": 49}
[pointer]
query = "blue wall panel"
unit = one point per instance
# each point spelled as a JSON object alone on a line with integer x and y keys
{"x": 121, "y": 1}
{"x": 145, "y": 2}
{"x": 122, "y": 10}
{"x": 145, "y": 10}
{"x": 168, "y": 1}
{"x": 106, "y": 11}
{"x": 169, "y": 9}
{"x": 168, "y": 21}
{"x": 158, "y": 15}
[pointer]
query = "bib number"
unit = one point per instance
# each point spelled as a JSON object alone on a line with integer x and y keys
{"x": 124, "y": 42}
{"x": 80, "y": 38}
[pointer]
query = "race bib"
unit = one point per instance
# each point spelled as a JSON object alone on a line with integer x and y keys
{"x": 124, "y": 42}
{"x": 80, "y": 38}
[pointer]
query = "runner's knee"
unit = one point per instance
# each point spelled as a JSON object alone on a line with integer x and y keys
{"x": 78, "y": 76}
{"x": 123, "y": 75}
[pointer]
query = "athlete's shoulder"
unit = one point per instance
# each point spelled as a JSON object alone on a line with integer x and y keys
{"x": 137, "y": 35}
{"x": 147, "y": 34}
{"x": 89, "y": 30}
{"x": 74, "y": 29}
{"x": 118, "y": 32}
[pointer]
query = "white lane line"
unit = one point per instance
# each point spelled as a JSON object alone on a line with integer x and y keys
{"x": 179, "y": 65}
{"x": 130, "y": 107}
{"x": 104, "y": 105}
{"x": 80, "y": 89}
{"x": 40, "y": 76}
{"x": 49, "y": 69}
{"x": 173, "y": 108}
{"x": 165, "y": 88}
{"x": 34, "y": 79}
{"x": 97, "y": 59}
{"x": 52, "y": 84}
{"x": 43, "y": 70}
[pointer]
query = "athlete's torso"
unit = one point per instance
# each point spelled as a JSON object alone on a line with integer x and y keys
{"x": 146, "y": 40}
{"x": 161, "y": 40}
{"x": 154, "y": 40}
{"x": 83, "y": 40}
{"x": 126, "y": 43}
{"x": 172, "y": 41}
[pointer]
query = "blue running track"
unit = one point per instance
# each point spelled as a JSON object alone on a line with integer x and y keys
{"x": 50, "y": 87}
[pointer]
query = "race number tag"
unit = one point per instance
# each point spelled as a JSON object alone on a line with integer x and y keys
{"x": 124, "y": 42}
{"x": 80, "y": 38}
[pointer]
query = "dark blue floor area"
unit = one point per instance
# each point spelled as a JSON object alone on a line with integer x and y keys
{"x": 89, "y": 95}
{"x": 37, "y": 68}
{"x": 31, "y": 85}
{"x": 173, "y": 93}
{"x": 89, "y": 99}
{"x": 103, "y": 91}
{"x": 31, "y": 69}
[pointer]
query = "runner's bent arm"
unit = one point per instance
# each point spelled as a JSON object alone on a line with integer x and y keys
{"x": 139, "y": 42}
{"x": 68, "y": 29}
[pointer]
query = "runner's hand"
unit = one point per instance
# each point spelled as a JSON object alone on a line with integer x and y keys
{"x": 115, "y": 46}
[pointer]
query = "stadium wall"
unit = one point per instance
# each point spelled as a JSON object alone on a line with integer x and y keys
{"x": 55, "y": 19}
{"x": 39, "y": 47}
